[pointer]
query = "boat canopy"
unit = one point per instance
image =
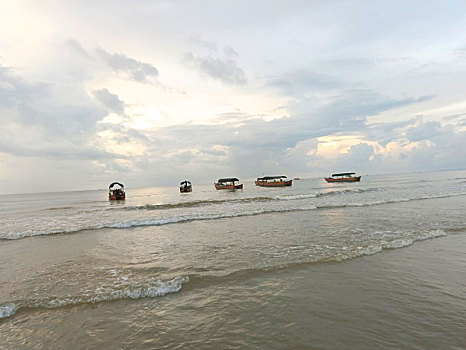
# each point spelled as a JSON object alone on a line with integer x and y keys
{"x": 272, "y": 177}
{"x": 343, "y": 174}
{"x": 228, "y": 179}
{"x": 185, "y": 183}
{"x": 115, "y": 183}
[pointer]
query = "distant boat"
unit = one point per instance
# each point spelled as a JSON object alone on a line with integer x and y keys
{"x": 185, "y": 186}
{"x": 273, "y": 181}
{"x": 296, "y": 179}
{"x": 343, "y": 177}
{"x": 116, "y": 194}
{"x": 228, "y": 184}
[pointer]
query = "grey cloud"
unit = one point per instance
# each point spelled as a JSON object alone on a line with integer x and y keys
{"x": 124, "y": 134}
{"x": 447, "y": 150}
{"x": 59, "y": 121}
{"x": 39, "y": 121}
{"x": 453, "y": 117}
{"x": 230, "y": 52}
{"x": 139, "y": 71}
{"x": 15, "y": 90}
{"x": 36, "y": 105}
{"x": 227, "y": 70}
{"x": 198, "y": 41}
{"x": 384, "y": 133}
{"x": 423, "y": 131}
{"x": 257, "y": 145}
{"x": 301, "y": 82}
{"x": 341, "y": 114}
{"x": 111, "y": 101}
{"x": 77, "y": 47}
{"x": 60, "y": 150}
{"x": 360, "y": 152}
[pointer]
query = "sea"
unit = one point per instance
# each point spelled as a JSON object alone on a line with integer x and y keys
{"x": 378, "y": 264}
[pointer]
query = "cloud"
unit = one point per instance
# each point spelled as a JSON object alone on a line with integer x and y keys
{"x": 45, "y": 105}
{"x": 111, "y": 101}
{"x": 423, "y": 131}
{"x": 300, "y": 82}
{"x": 226, "y": 70}
{"x": 139, "y": 71}
{"x": 386, "y": 132}
{"x": 15, "y": 90}
{"x": 76, "y": 46}
{"x": 230, "y": 52}
{"x": 45, "y": 120}
{"x": 199, "y": 42}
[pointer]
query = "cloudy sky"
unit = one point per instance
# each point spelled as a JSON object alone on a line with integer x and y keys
{"x": 150, "y": 92}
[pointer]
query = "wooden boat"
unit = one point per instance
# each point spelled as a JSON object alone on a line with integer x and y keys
{"x": 185, "y": 186}
{"x": 116, "y": 194}
{"x": 273, "y": 181}
{"x": 343, "y": 177}
{"x": 228, "y": 184}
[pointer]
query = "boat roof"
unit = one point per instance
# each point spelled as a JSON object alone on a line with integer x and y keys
{"x": 228, "y": 179}
{"x": 271, "y": 177}
{"x": 343, "y": 174}
{"x": 115, "y": 183}
{"x": 185, "y": 182}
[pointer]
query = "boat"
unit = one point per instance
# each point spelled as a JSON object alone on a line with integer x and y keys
{"x": 118, "y": 193}
{"x": 343, "y": 177}
{"x": 228, "y": 184}
{"x": 296, "y": 179}
{"x": 185, "y": 186}
{"x": 273, "y": 181}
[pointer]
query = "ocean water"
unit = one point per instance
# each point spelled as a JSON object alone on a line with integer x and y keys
{"x": 378, "y": 264}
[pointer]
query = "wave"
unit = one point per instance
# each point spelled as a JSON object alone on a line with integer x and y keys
{"x": 192, "y": 204}
{"x": 388, "y": 201}
{"x": 334, "y": 254}
{"x": 150, "y": 289}
{"x": 59, "y": 208}
{"x": 399, "y": 242}
{"x": 125, "y": 224}
{"x": 243, "y": 200}
{"x": 157, "y": 288}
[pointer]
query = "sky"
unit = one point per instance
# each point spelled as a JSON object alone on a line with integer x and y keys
{"x": 152, "y": 92}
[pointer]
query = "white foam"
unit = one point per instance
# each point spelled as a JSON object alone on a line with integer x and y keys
{"x": 400, "y": 242}
{"x": 8, "y": 310}
{"x": 247, "y": 211}
{"x": 151, "y": 289}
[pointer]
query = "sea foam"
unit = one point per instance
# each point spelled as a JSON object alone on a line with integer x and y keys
{"x": 150, "y": 289}
{"x": 8, "y": 310}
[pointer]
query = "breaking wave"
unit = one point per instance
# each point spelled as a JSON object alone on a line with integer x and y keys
{"x": 157, "y": 288}
{"x": 151, "y": 289}
{"x": 331, "y": 255}
{"x": 159, "y": 221}
{"x": 399, "y": 242}
{"x": 282, "y": 197}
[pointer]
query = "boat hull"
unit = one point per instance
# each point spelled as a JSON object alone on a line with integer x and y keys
{"x": 116, "y": 198}
{"x": 274, "y": 184}
{"x": 228, "y": 187}
{"x": 186, "y": 189}
{"x": 346, "y": 179}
